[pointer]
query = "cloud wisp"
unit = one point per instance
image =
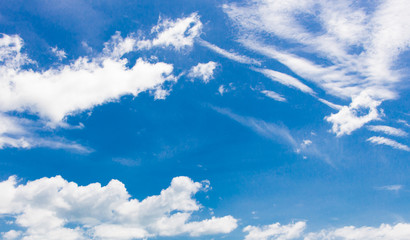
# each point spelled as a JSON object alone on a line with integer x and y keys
{"x": 360, "y": 46}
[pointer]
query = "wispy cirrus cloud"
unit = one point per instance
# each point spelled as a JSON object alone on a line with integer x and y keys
{"x": 359, "y": 45}
{"x": 388, "y": 130}
{"x": 388, "y": 142}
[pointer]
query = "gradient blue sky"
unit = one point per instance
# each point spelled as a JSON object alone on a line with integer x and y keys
{"x": 296, "y": 112}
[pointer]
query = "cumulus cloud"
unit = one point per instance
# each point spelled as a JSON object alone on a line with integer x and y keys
{"x": 55, "y": 93}
{"x": 275, "y": 231}
{"x": 53, "y": 208}
{"x": 388, "y": 142}
{"x": 388, "y": 130}
{"x": 204, "y": 71}
{"x": 177, "y": 33}
{"x": 362, "y": 110}
{"x": 273, "y": 95}
{"x": 360, "y": 46}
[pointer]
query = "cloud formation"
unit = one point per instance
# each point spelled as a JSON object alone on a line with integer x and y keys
{"x": 388, "y": 142}
{"x": 177, "y": 33}
{"x": 55, "y": 93}
{"x": 360, "y": 46}
{"x": 53, "y": 208}
{"x": 275, "y": 231}
{"x": 204, "y": 71}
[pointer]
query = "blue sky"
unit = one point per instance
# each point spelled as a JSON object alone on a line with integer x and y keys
{"x": 204, "y": 119}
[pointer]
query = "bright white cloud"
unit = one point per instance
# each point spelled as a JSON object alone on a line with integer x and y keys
{"x": 204, "y": 71}
{"x": 285, "y": 80}
{"x": 179, "y": 33}
{"x": 275, "y": 231}
{"x": 330, "y": 104}
{"x": 230, "y": 55}
{"x": 60, "y": 54}
{"x": 362, "y": 110}
{"x": 400, "y": 231}
{"x": 388, "y": 142}
{"x": 53, "y": 208}
{"x": 274, "y": 95}
{"x": 361, "y": 46}
{"x": 388, "y": 130}
{"x": 56, "y": 93}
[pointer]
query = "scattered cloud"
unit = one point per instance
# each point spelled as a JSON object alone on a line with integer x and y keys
{"x": 204, "y": 71}
{"x": 179, "y": 33}
{"x": 388, "y": 130}
{"x": 275, "y": 231}
{"x": 388, "y": 142}
{"x": 53, "y": 208}
{"x": 60, "y": 54}
{"x": 274, "y": 95}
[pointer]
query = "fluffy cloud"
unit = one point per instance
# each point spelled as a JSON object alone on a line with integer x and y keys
{"x": 361, "y": 46}
{"x": 205, "y": 71}
{"x": 362, "y": 110}
{"x": 53, "y": 208}
{"x": 179, "y": 33}
{"x": 275, "y": 231}
{"x": 56, "y": 93}
{"x": 388, "y": 142}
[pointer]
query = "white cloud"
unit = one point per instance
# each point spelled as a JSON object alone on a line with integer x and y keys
{"x": 400, "y": 231}
{"x": 60, "y": 54}
{"x": 55, "y": 93}
{"x": 362, "y": 110}
{"x": 388, "y": 142}
{"x": 230, "y": 55}
{"x": 285, "y": 79}
{"x": 265, "y": 129}
{"x": 360, "y": 46}
{"x": 179, "y": 33}
{"x": 394, "y": 188}
{"x": 388, "y": 130}
{"x": 330, "y": 104}
{"x": 274, "y": 95}
{"x": 275, "y": 231}
{"x": 205, "y": 71}
{"x": 53, "y": 208}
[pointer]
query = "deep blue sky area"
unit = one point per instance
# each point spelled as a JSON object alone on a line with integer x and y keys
{"x": 297, "y": 121}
